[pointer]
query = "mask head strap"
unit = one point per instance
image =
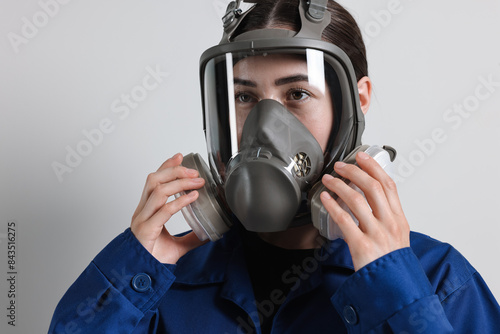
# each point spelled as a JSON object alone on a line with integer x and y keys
{"x": 314, "y": 18}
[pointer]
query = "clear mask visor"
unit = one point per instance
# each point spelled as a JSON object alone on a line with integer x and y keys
{"x": 304, "y": 81}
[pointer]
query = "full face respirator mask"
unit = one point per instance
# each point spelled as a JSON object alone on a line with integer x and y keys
{"x": 260, "y": 91}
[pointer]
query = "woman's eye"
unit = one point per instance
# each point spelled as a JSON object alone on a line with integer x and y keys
{"x": 298, "y": 95}
{"x": 244, "y": 98}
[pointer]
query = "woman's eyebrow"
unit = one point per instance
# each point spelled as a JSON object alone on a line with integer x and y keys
{"x": 243, "y": 82}
{"x": 290, "y": 79}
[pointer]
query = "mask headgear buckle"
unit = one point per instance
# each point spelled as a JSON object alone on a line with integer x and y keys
{"x": 316, "y": 9}
{"x": 314, "y": 19}
{"x": 233, "y": 11}
{"x": 231, "y": 20}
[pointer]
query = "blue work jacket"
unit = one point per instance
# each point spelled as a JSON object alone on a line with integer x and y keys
{"x": 426, "y": 288}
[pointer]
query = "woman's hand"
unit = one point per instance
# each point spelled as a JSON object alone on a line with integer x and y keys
{"x": 382, "y": 224}
{"x": 154, "y": 211}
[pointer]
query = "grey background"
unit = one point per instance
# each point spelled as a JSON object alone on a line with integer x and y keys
{"x": 424, "y": 58}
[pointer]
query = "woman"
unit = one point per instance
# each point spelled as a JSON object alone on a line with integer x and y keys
{"x": 279, "y": 274}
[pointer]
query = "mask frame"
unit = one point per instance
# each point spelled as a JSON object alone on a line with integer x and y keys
{"x": 314, "y": 19}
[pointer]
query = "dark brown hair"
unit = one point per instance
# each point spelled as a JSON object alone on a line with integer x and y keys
{"x": 342, "y": 31}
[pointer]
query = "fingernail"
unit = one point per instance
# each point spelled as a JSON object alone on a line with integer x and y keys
{"x": 340, "y": 164}
{"x": 191, "y": 172}
{"x": 327, "y": 177}
{"x": 175, "y": 156}
{"x": 325, "y": 195}
{"x": 198, "y": 180}
{"x": 363, "y": 155}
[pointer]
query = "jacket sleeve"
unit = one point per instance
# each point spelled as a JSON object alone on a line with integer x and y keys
{"x": 118, "y": 292}
{"x": 391, "y": 295}
{"x": 394, "y": 295}
{"x": 471, "y": 307}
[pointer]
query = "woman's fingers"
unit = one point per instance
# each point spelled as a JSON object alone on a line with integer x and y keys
{"x": 169, "y": 171}
{"x": 164, "y": 176}
{"x": 154, "y": 210}
{"x": 354, "y": 200}
{"x": 382, "y": 225}
{"x": 167, "y": 210}
{"x": 343, "y": 219}
{"x": 373, "y": 169}
{"x": 162, "y": 192}
{"x": 175, "y": 160}
{"x": 372, "y": 189}
{"x": 151, "y": 231}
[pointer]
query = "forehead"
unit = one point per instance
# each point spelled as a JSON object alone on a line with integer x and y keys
{"x": 270, "y": 65}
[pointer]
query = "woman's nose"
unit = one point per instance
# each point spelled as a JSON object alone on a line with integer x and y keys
{"x": 272, "y": 96}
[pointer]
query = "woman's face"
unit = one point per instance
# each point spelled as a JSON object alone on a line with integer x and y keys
{"x": 284, "y": 78}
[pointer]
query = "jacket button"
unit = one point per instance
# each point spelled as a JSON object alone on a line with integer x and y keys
{"x": 141, "y": 282}
{"x": 350, "y": 315}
